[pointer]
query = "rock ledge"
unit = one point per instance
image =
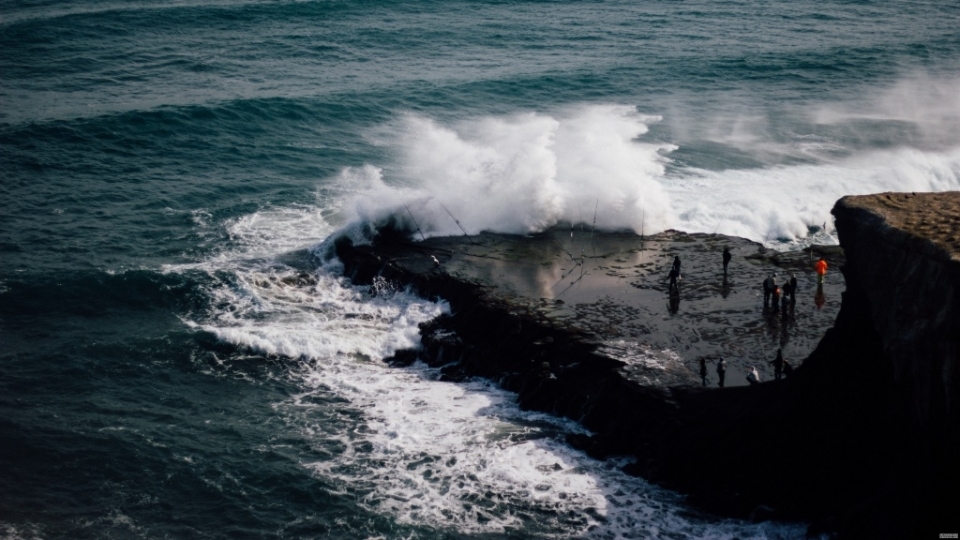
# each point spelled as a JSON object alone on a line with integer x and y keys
{"x": 862, "y": 440}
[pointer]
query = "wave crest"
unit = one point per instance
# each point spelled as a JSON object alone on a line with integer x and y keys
{"x": 523, "y": 173}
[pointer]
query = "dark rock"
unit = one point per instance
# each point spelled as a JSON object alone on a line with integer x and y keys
{"x": 861, "y": 438}
{"x": 402, "y": 358}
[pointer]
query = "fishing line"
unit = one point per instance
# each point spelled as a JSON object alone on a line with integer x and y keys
{"x": 457, "y": 221}
{"x": 414, "y": 221}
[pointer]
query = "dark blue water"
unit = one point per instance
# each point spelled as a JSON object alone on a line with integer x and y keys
{"x": 178, "y": 357}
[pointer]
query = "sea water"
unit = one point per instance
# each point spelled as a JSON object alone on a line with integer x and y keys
{"x": 179, "y": 354}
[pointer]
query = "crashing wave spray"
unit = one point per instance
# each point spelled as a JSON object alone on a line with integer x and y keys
{"x": 522, "y": 173}
{"x": 525, "y": 172}
{"x": 782, "y": 203}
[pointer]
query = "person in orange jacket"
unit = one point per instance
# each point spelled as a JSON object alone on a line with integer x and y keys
{"x": 821, "y": 268}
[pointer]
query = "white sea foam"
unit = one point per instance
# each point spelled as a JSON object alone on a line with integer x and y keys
{"x": 268, "y": 314}
{"x": 784, "y": 202}
{"x": 277, "y": 230}
{"x": 450, "y": 457}
{"x": 463, "y": 457}
{"x": 254, "y": 240}
{"x": 525, "y": 172}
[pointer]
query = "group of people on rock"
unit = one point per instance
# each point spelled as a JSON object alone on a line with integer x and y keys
{"x": 771, "y": 290}
{"x": 721, "y": 370}
{"x": 781, "y": 368}
{"x": 779, "y": 295}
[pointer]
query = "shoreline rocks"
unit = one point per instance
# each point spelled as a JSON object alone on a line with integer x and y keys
{"x": 851, "y": 442}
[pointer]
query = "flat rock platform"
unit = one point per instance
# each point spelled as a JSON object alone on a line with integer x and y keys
{"x": 610, "y": 290}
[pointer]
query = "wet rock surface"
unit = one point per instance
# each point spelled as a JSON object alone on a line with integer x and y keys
{"x": 609, "y": 293}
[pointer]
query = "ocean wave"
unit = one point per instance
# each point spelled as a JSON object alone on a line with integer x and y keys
{"x": 593, "y": 165}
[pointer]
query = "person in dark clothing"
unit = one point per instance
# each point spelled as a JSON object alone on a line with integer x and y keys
{"x": 545, "y": 371}
{"x": 787, "y": 369}
{"x": 776, "y": 297}
{"x": 793, "y": 288}
{"x": 778, "y": 365}
{"x": 721, "y": 370}
{"x": 703, "y": 371}
{"x": 726, "y": 259}
{"x": 768, "y": 285}
{"x": 674, "y": 279}
{"x": 676, "y": 262}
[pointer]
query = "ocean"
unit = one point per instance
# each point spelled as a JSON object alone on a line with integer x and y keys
{"x": 180, "y": 356}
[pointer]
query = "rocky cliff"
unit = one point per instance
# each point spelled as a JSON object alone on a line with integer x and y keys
{"x": 865, "y": 439}
{"x": 862, "y": 440}
{"x": 903, "y": 276}
{"x": 904, "y": 260}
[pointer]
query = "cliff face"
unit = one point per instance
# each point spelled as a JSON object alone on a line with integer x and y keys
{"x": 903, "y": 257}
{"x": 903, "y": 281}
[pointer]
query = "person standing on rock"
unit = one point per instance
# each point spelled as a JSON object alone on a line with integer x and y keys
{"x": 776, "y": 297}
{"x": 787, "y": 369}
{"x": 545, "y": 371}
{"x": 821, "y": 268}
{"x": 778, "y": 365}
{"x": 674, "y": 279}
{"x": 752, "y": 376}
{"x": 721, "y": 370}
{"x": 703, "y": 371}
{"x": 726, "y": 259}
{"x": 676, "y": 263}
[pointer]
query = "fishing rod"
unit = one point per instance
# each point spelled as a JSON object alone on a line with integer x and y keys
{"x": 566, "y": 275}
{"x": 574, "y": 282}
{"x": 555, "y": 241}
{"x": 563, "y": 249}
{"x": 457, "y": 221}
{"x": 414, "y": 221}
